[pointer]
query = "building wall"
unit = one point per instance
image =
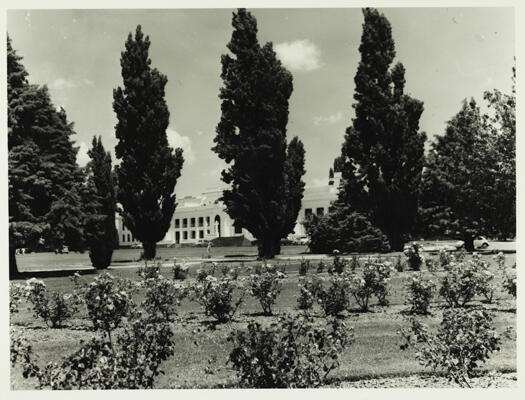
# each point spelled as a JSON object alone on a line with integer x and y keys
{"x": 204, "y": 218}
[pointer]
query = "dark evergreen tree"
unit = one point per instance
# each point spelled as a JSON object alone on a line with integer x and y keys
{"x": 265, "y": 187}
{"x": 44, "y": 179}
{"x": 345, "y": 230}
{"x": 457, "y": 179}
{"x": 150, "y": 168}
{"x": 383, "y": 151}
{"x": 294, "y": 186}
{"x": 100, "y": 206}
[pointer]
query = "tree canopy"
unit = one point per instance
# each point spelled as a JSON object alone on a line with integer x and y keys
{"x": 100, "y": 206}
{"x": 149, "y": 167}
{"x": 264, "y": 172}
{"x": 383, "y": 153}
{"x": 44, "y": 179}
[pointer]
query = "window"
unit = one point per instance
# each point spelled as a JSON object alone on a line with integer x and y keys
{"x": 129, "y": 239}
{"x": 319, "y": 211}
{"x": 177, "y": 223}
{"x": 185, "y": 235}
{"x": 307, "y": 213}
{"x": 192, "y": 223}
{"x": 201, "y": 234}
{"x": 207, "y": 221}
{"x": 201, "y": 221}
{"x": 193, "y": 234}
{"x": 185, "y": 223}
{"x": 123, "y": 238}
{"x": 207, "y": 231}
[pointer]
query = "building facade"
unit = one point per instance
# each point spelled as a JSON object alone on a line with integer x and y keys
{"x": 203, "y": 217}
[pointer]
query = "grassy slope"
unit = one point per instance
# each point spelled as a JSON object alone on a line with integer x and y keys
{"x": 375, "y": 351}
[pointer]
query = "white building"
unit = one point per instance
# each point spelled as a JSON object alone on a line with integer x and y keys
{"x": 203, "y": 217}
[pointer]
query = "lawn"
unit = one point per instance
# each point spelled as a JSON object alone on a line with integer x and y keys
{"x": 202, "y": 350}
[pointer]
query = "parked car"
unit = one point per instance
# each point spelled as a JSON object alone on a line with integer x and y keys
{"x": 136, "y": 246}
{"x": 201, "y": 243}
{"x": 480, "y": 242}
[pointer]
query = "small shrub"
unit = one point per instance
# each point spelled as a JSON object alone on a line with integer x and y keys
{"x": 266, "y": 287}
{"x": 430, "y": 264}
{"x": 216, "y": 297}
{"x": 466, "y": 279}
{"x": 107, "y": 302}
{"x": 399, "y": 266}
{"x": 372, "y": 281}
{"x": 53, "y": 307}
{"x": 304, "y": 266}
{"x": 180, "y": 272}
{"x": 509, "y": 281}
{"x": 354, "y": 263}
{"x": 445, "y": 258}
{"x": 320, "y": 267}
{"x": 309, "y": 290}
{"x": 162, "y": 298}
{"x": 335, "y": 299}
{"x": 149, "y": 271}
{"x": 291, "y": 353}
{"x": 132, "y": 362}
{"x": 414, "y": 257}
{"x": 339, "y": 263}
{"x": 465, "y": 338}
{"x": 16, "y": 295}
{"x": 419, "y": 293}
{"x": 500, "y": 261}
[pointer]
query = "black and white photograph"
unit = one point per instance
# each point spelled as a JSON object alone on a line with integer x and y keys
{"x": 241, "y": 196}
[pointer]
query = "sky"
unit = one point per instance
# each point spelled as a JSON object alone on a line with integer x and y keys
{"x": 449, "y": 54}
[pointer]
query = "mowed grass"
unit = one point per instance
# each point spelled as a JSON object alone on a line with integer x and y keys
{"x": 202, "y": 348}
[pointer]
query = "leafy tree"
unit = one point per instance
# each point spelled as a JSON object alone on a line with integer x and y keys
{"x": 345, "y": 230}
{"x": 383, "y": 151}
{"x": 150, "y": 168}
{"x": 264, "y": 178}
{"x": 457, "y": 179}
{"x": 100, "y": 204}
{"x": 502, "y": 125}
{"x": 44, "y": 179}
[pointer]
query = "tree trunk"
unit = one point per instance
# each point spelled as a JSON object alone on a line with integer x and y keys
{"x": 266, "y": 248}
{"x": 395, "y": 241}
{"x": 13, "y": 268}
{"x": 150, "y": 250}
{"x": 469, "y": 243}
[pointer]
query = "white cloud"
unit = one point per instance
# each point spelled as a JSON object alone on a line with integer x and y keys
{"x": 300, "y": 55}
{"x": 200, "y": 133}
{"x": 62, "y": 83}
{"x": 331, "y": 119}
{"x": 175, "y": 139}
{"x": 82, "y": 155}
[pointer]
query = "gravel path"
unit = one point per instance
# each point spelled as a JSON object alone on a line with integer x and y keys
{"x": 497, "y": 380}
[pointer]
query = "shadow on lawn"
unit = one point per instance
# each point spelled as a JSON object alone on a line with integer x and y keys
{"x": 54, "y": 273}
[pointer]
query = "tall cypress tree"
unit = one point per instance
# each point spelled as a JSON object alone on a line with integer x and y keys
{"x": 383, "y": 151}
{"x": 100, "y": 205}
{"x": 44, "y": 179}
{"x": 294, "y": 186}
{"x": 150, "y": 168}
{"x": 251, "y": 137}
